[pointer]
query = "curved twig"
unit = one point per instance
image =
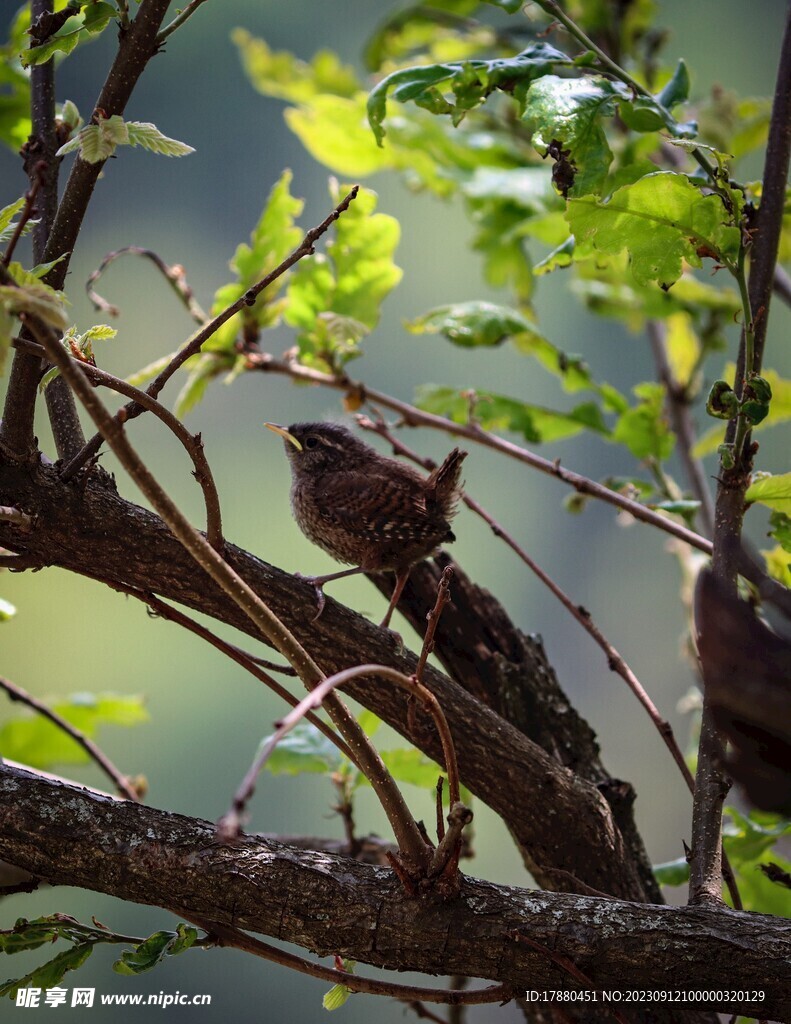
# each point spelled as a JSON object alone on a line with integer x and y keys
{"x": 174, "y": 275}
{"x": 229, "y": 824}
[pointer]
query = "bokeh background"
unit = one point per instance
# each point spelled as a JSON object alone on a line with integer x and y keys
{"x": 206, "y": 716}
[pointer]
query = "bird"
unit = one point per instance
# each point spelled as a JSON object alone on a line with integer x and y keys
{"x": 365, "y": 509}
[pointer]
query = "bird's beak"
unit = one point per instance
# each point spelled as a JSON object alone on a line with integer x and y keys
{"x": 284, "y": 433}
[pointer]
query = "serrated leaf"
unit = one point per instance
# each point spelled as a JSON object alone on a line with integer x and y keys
{"x": 50, "y": 974}
{"x": 661, "y": 220}
{"x": 48, "y": 378}
{"x": 153, "y": 951}
{"x": 281, "y": 74}
{"x": 39, "y": 743}
{"x": 26, "y": 935}
{"x": 7, "y": 215}
{"x": 99, "y": 332}
{"x": 141, "y": 133}
{"x": 304, "y": 749}
{"x": 773, "y": 491}
{"x": 330, "y": 294}
{"x": 42, "y": 269}
{"x": 148, "y": 372}
{"x": 70, "y": 115}
{"x": 7, "y": 610}
{"x": 469, "y": 82}
{"x": 569, "y": 112}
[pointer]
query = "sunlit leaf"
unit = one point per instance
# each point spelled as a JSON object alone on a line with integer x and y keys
{"x": 644, "y": 428}
{"x": 773, "y": 491}
{"x": 661, "y": 220}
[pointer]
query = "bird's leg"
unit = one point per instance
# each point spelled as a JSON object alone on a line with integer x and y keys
{"x": 401, "y": 577}
{"x": 317, "y": 582}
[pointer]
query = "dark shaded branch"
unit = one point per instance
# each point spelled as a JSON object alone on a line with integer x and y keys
{"x": 335, "y": 905}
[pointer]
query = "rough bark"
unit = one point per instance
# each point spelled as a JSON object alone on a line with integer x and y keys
{"x": 330, "y": 904}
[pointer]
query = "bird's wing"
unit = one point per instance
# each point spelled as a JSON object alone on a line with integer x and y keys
{"x": 377, "y": 505}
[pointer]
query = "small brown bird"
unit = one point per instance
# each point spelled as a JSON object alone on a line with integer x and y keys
{"x": 365, "y": 509}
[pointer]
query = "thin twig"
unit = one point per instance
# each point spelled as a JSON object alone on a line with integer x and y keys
{"x": 193, "y": 344}
{"x": 678, "y": 404}
{"x": 28, "y": 210}
{"x": 412, "y": 417}
{"x": 241, "y": 940}
{"x": 443, "y": 596}
{"x": 179, "y": 20}
{"x": 121, "y": 782}
{"x": 192, "y": 443}
{"x": 174, "y": 275}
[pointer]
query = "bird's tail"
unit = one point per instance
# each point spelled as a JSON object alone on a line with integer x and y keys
{"x": 443, "y": 483}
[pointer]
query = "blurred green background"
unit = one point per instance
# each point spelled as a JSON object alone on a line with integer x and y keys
{"x": 206, "y": 716}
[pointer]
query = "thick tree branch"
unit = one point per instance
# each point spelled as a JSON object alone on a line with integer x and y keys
{"x": 335, "y": 905}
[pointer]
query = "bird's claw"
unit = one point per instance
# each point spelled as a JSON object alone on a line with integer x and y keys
{"x": 318, "y": 587}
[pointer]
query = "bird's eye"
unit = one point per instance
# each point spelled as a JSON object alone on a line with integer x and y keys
{"x": 311, "y": 441}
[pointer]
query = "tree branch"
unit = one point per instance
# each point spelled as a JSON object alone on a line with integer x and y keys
{"x": 335, "y": 905}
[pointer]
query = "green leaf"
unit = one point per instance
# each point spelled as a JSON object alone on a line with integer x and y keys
{"x": 566, "y": 113}
{"x": 92, "y": 20}
{"x": 141, "y": 133}
{"x": 498, "y": 412}
{"x": 50, "y": 974}
{"x": 7, "y": 610}
{"x": 336, "y": 997}
{"x": 149, "y": 371}
{"x": 643, "y": 428}
{"x": 773, "y": 491}
{"x": 673, "y": 872}
{"x": 28, "y": 935}
{"x": 304, "y": 749}
{"x": 153, "y": 951}
{"x": 661, "y": 220}
{"x": 410, "y": 765}
{"x": 468, "y": 82}
{"x": 778, "y": 562}
{"x": 7, "y": 214}
{"x": 202, "y": 372}
{"x": 677, "y": 89}
{"x": 36, "y": 741}
{"x": 334, "y": 131}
